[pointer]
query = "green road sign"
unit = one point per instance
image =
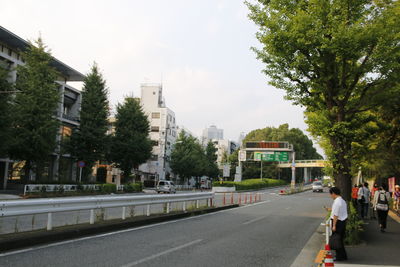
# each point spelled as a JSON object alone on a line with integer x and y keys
{"x": 271, "y": 156}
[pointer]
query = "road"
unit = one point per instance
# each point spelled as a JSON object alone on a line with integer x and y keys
{"x": 268, "y": 233}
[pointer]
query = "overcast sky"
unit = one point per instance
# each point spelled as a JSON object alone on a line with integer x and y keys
{"x": 199, "y": 49}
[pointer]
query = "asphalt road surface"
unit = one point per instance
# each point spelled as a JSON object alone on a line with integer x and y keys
{"x": 268, "y": 233}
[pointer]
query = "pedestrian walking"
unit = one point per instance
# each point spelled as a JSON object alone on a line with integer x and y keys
{"x": 396, "y": 196}
{"x": 363, "y": 200}
{"x": 381, "y": 205}
{"x": 354, "y": 195}
{"x": 339, "y": 218}
{"x": 373, "y": 190}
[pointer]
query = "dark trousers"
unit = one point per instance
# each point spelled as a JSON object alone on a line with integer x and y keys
{"x": 382, "y": 217}
{"x": 341, "y": 230}
{"x": 363, "y": 209}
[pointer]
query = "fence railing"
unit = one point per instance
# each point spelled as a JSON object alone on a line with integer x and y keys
{"x": 34, "y": 188}
{"x": 50, "y": 206}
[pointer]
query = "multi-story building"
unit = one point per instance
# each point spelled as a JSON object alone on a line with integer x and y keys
{"x": 224, "y": 149}
{"x": 62, "y": 166}
{"x": 212, "y": 133}
{"x": 163, "y": 132}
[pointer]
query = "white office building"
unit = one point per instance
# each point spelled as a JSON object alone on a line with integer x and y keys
{"x": 224, "y": 146}
{"x": 163, "y": 132}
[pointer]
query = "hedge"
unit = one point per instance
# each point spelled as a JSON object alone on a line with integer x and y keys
{"x": 133, "y": 187}
{"x": 251, "y": 183}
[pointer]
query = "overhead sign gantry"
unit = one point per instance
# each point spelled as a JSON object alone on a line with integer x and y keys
{"x": 270, "y": 151}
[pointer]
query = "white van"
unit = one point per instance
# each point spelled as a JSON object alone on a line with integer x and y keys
{"x": 165, "y": 187}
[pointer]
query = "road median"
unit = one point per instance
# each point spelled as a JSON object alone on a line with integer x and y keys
{"x": 28, "y": 239}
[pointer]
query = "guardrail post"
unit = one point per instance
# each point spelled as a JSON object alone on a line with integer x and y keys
{"x": 123, "y": 213}
{"x": 197, "y": 204}
{"x": 91, "y": 220}
{"x": 148, "y": 210}
{"x": 211, "y": 202}
{"x": 232, "y": 198}
{"x": 245, "y": 198}
{"x": 168, "y": 206}
{"x": 224, "y": 201}
{"x": 184, "y": 206}
{"x": 251, "y": 198}
{"x": 240, "y": 198}
{"x": 49, "y": 221}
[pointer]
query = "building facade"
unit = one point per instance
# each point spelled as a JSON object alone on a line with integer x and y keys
{"x": 163, "y": 131}
{"x": 62, "y": 166}
{"x": 212, "y": 133}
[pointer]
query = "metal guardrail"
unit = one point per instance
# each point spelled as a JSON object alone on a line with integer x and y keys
{"x": 50, "y": 206}
{"x": 34, "y": 188}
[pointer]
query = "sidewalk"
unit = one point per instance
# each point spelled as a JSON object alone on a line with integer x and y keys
{"x": 378, "y": 248}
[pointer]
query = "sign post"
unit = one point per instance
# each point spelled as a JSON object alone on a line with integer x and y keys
{"x": 293, "y": 182}
{"x": 81, "y": 165}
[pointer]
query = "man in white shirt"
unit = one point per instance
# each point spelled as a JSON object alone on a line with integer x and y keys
{"x": 339, "y": 218}
{"x": 363, "y": 200}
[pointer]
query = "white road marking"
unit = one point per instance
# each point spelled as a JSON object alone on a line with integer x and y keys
{"x": 123, "y": 231}
{"x": 254, "y": 220}
{"x": 163, "y": 253}
{"x": 288, "y": 208}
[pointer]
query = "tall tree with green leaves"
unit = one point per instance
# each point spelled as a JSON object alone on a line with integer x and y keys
{"x": 34, "y": 124}
{"x": 211, "y": 156}
{"x": 188, "y": 158}
{"x": 130, "y": 144}
{"x": 89, "y": 141}
{"x": 338, "y": 59}
{"x": 5, "y": 111}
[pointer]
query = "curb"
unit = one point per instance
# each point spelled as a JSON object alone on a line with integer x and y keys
{"x": 310, "y": 250}
{"x": 27, "y": 239}
{"x": 394, "y": 216}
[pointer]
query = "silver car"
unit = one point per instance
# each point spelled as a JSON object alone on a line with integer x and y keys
{"x": 317, "y": 186}
{"x": 166, "y": 187}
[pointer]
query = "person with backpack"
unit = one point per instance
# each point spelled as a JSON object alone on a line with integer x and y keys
{"x": 381, "y": 205}
{"x": 363, "y": 200}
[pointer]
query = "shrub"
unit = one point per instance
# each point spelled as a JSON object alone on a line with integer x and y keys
{"x": 251, "y": 183}
{"x": 133, "y": 187}
{"x": 353, "y": 226}
{"x": 108, "y": 188}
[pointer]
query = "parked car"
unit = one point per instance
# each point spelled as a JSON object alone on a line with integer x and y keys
{"x": 317, "y": 186}
{"x": 165, "y": 187}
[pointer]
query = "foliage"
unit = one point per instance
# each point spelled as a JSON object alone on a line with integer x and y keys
{"x": 131, "y": 145}
{"x": 133, "y": 187}
{"x": 5, "y": 114}
{"x": 251, "y": 184}
{"x": 338, "y": 59}
{"x": 353, "y": 226}
{"x": 89, "y": 142}
{"x": 34, "y": 126}
{"x": 108, "y": 188}
{"x": 188, "y": 158}
{"x": 211, "y": 155}
{"x": 302, "y": 145}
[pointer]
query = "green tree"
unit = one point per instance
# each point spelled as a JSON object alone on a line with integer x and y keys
{"x": 89, "y": 142}
{"x": 211, "y": 156}
{"x": 5, "y": 114}
{"x": 34, "y": 124}
{"x": 130, "y": 145}
{"x": 302, "y": 145}
{"x": 188, "y": 158}
{"x": 335, "y": 58}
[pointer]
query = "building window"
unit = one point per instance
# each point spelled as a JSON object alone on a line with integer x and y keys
{"x": 155, "y": 115}
{"x": 155, "y": 143}
{"x": 155, "y": 129}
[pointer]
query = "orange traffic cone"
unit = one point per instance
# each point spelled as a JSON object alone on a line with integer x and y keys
{"x": 328, "y": 258}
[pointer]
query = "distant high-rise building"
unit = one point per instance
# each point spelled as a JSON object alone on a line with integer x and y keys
{"x": 212, "y": 133}
{"x": 241, "y": 137}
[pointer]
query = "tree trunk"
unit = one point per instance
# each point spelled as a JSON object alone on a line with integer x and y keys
{"x": 27, "y": 172}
